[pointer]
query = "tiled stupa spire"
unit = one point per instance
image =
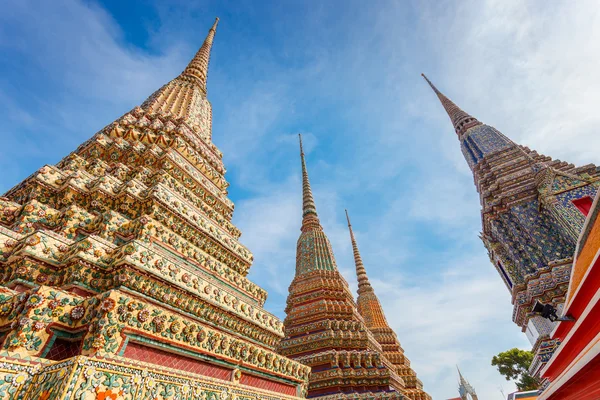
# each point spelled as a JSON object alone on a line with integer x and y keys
{"x": 533, "y": 209}
{"x": 184, "y": 98}
{"x": 371, "y": 310}
{"x": 323, "y": 327}
{"x": 124, "y": 255}
{"x": 197, "y": 69}
{"x": 310, "y": 219}
{"x": 466, "y": 391}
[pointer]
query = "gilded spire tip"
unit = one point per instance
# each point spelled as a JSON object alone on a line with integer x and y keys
{"x": 361, "y": 273}
{"x": 197, "y": 69}
{"x": 309, "y": 210}
{"x": 460, "y": 119}
{"x": 430, "y": 84}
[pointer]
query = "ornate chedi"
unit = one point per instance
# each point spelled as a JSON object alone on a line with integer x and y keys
{"x": 465, "y": 389}
{"x": 533, "y": 208}
{"x": 323, "y": 328}
{"x": 371, "y": 310}
{"x": 122, "y": 273}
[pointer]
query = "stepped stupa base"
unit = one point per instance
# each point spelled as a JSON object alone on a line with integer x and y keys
{"x": 114, "y": 377}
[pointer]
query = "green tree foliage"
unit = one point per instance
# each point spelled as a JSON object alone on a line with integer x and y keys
{"x": 514, "y": 365}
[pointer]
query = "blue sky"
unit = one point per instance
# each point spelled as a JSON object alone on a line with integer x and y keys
{"x": 345, "y": 74}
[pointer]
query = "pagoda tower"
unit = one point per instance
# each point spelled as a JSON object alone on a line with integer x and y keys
{"x": 532, "y": 210}
{"x": 465, "y": 390}
{"x": 122, "y": 274}
{"x": 371, "y": 310}
{"x": 323, "y": 328}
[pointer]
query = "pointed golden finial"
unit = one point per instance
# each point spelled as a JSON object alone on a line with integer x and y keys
{"x": 361, "y": 272}
{"x": 309, "y": 210}
{"x": 460, "y": 119}
{"x": 197, "y": 69}
{"x": 459, "y": 374}
{"x": 431, "y": 84}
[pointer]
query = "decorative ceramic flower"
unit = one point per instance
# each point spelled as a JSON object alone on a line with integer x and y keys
{"x": 58, "y": 311}
{"x": 77, "y": 313}
{"x": 19, "y": 379}
{"x": 225, "y": 344}
{"x": 32, "y": 240}
{"x": 185, "y": 389}
{"x": 35, "y": 300}
{"x": 159, "y": 323}
{"x": 112, "y": 331}
{"x": 201, "y": 335}
{"x": 129, "y": 249}
{"x": 150, "y": 383}
{"x": 6, "y": 308}
{"x": 175, "y": 327}
{"x": 38, "y": 325}
{"x": 106, "y": 395}
{"x": 143, "y": 315}
{"x": 107, "y": 305}
{"x": 15, "y": 341}
{"x": 136, "y": 379}
{"x": 99, "y": 342}
{"x": 89, "y": 372}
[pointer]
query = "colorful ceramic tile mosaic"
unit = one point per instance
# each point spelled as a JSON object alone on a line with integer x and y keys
{"x": 123, "y": 276}
{"x": 530, "y": 216}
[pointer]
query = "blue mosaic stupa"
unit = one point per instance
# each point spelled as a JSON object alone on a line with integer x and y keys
{"x": 532, "y": 210}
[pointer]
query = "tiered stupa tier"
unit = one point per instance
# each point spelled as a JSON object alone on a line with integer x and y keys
{"x": 532, "y": 210}
{"x": 323, "y": 327}
{"x": 372, "y": 312}
{"x": 122, "y": 272}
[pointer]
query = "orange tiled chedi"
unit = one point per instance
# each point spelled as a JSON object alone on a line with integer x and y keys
{"x": 123, "y": 275}
{"x": 371, "y": 310}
